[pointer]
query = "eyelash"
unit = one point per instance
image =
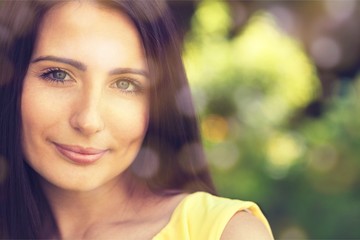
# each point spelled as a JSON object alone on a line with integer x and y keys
{"x": 138, "y": 89}
{"x": 46, "y": 75}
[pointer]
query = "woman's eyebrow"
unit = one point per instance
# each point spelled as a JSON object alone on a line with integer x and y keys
{"x": 129, "y": 70}
{"x": 81, "y": 66}
{"x": 69, "y": 61}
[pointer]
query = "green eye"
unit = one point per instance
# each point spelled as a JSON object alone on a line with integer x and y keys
{"x": 127, "y": 85}
{"x": 61, "y": 75}
{"x": 123, "y": 84}
{"x": 56, "y": 75}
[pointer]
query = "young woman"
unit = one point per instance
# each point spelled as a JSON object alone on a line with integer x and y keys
{"x": 92, "y": 129}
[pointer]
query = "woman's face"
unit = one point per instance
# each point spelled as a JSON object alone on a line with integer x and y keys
{"x": 84, "y": 104}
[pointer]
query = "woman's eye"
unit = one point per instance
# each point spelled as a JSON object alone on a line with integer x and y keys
{"x": 59, "y": 75}
{"x": 128, "y": 86}
{"x": 56, "y": 75}
{"x": 124, "y": 85}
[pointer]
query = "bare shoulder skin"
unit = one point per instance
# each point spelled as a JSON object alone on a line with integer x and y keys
{"x": 244, "y": 225}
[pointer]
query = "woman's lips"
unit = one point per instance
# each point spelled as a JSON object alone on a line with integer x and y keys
{"x": 80, "y": 155}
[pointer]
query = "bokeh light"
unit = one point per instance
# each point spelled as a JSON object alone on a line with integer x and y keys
{"x": 224, "y": 156}
{"x": 184, "y": 103}
{"x": 185, "y": 155}
{"x": 282, "y": 152}
{"x": 215, "y": 128}
{"x": 326, "y": 52}
{"x": 293, "y": 232}
{"x": 3, "y": 169}
{"x": 277, "y": 84}
{"x": 147, "y": 164}
{"x": 323, "y": 158}
{"x": 341, "y": 10}
{"x": 7, "y": 70}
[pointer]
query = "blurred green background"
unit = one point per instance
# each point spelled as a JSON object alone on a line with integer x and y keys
{"x": 276, "y": 87}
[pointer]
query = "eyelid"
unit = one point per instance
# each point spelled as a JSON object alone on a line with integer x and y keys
{"x": 130, "y": 80}
{"x": 139, "y": 88}
{"x": 45, "y": 72}
{"x": 51, "y": 69}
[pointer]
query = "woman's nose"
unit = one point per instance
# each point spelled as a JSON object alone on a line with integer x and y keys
{"x": 86, "y": 117}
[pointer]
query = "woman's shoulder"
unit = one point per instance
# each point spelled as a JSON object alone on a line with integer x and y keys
{"x": 201, "y": 215}
{"x": 244, "y": 225}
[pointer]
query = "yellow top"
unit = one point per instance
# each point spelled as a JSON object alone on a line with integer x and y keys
{"x": 203, "y": 216}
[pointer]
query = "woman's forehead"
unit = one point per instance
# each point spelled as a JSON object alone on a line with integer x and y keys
{"x": 82, "y": 14}
{"x": 88, "y": 32}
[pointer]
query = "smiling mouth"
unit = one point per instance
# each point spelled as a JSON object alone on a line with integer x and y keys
{"x": 80, "y": 155}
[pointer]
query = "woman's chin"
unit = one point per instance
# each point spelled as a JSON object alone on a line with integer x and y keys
{"x": 79, "y": 185}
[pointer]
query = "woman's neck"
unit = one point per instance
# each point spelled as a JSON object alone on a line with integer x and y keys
{"x": 77, "y": 212}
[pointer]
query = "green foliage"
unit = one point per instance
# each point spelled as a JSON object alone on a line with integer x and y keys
{"x": 248, "y": 89}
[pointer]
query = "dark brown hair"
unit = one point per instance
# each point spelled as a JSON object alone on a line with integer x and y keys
{"x": 171, "y": 157}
